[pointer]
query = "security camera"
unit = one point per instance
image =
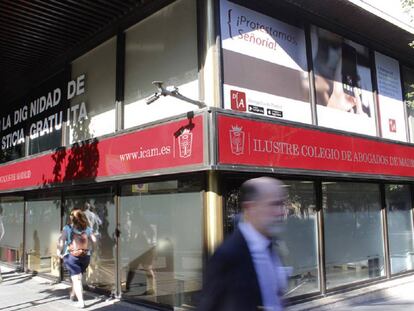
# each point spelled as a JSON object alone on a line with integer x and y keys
{"x": 171, "y": 91}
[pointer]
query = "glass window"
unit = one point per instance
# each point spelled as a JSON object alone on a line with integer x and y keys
{"x": 300, "y": 237}
{"x": 12, "y": 136}
{"x": 408, "y": 76}
{"x": 163, "y": 47}
{"x": 42, "y": 233}
{"x": 353, "y": 236}
{"x": 11, "y": 230}
{"x": 298, "y": 249}
{"x": 400, "y": 227}
{"x": 13, "y": 153}
{"x": 92, "y": 97}
{"x": 162, "y": 241}
{"x": 343, "y": 83}
{"x": 46, "y": 108}
{"x": 99, "y": 208}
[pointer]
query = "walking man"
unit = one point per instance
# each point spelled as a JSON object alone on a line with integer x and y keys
{"x": 245, "y": 274}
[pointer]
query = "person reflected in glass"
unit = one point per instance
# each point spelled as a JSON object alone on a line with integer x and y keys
{"x": 74, "y": 248}
{"x": 144, "y": 236}
{"x": 35, "y": 253}
{"x": 94, "y": 220}
{"x": 245, "y": 273}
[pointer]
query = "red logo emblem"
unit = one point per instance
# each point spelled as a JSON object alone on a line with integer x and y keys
{"x": 393, "y": 125}
{"x": 238, "y": 100}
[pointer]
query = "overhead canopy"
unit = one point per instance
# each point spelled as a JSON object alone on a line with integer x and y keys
{"x": 37, "y": 35}
{"x": 379, "y": 32}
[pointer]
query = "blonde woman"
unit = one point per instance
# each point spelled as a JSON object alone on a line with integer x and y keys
{"x": 74, "y": 249}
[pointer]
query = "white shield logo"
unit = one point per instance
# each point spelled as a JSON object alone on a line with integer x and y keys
{"x": 185, "y": 142}
{"x": 237, "y": 140}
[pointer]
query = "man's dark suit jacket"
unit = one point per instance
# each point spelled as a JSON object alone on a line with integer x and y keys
{"x": 231, "y": 282}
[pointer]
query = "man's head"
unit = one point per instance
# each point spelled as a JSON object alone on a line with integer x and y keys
{"x": 86, "y": 206}
{"x": 263, "y": 204}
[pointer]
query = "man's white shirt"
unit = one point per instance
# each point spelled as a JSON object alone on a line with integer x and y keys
{"x": 271, "y": 275}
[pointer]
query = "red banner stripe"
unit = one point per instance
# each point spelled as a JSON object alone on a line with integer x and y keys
{"x": 249, "y": 142}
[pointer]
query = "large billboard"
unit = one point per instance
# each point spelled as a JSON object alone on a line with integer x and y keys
{"x": 264, "y": 65}
{"x": 343, "y": 83}
{"x": 390, "y": 100}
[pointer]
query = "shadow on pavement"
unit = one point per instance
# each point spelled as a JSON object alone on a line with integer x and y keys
{"x": 44, "y": 294}
{"x": 29, "y": 304}
{"x": 92, "y": 301}
{"x": 18, "y": 278}
{"x": 60, "y": 292}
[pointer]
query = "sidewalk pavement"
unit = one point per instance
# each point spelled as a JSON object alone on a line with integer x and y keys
{"x": 21, "y": 291}
{"x": 395, "y": 294}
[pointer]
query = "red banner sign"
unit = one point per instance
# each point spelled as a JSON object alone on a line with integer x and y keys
{"x": 258, "y": 143}
{"x": 170, "y": 145}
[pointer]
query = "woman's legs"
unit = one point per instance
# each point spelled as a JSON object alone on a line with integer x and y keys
{"x": 77, "y": 287}
{"x": 72, "y": 293}
{"x": 68, "y": 261}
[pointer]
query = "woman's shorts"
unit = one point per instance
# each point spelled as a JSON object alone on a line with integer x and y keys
{"x": 76, "y": 265}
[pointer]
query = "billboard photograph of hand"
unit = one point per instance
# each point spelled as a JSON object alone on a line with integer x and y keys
{"x": 342, "y": 82}
{"x": 346, "y": 93}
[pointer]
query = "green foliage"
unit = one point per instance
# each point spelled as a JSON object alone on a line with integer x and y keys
{"x": 408, "y": 6}
{"x": 409, "y": 94}
{"x": 409, "y": 98}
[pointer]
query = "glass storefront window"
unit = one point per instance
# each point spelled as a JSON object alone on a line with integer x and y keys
{"x": 42, "y": 233}
{"x": 99, "y": 207}
{"x": 343, "y": 83}
{"x": 353, "y": 232}
{"x": 11, "y": 230}
{"x": 162, "y": 47}
{"x": 300, "y": 237}
{"x": 400, "y": 227}
{"x": 298, "y": 249}
{"x": 162, "y": 241}
{"x": 92, "y": 107}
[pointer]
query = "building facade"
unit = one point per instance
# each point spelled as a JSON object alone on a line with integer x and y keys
{"x": 318, "y": 95}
